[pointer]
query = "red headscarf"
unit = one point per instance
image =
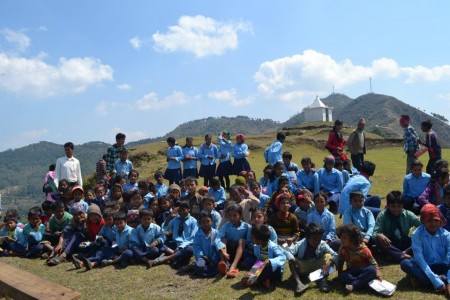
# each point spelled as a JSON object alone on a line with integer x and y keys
{"x": 240, "y": 137}
{"x": 431, "y": 212}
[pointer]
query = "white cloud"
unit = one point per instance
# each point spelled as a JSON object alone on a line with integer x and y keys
{"x": 312, "y": 72}
{"x": 17, "y": 38}
{"x": 130, "y": 135}
{"x": 28, "y": 137}
{"x": 34, "y": 77}
{"x": 201, "y": 36}
{"x": 136, "y": 42}
{"x": 42, "y": 28}
{"x": 124, "y": 86}
{"x": 231, "y": 97}
{"x": 151, "y": 101}
{"x": 101, "y": 109}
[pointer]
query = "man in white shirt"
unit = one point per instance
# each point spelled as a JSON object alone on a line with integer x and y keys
{"x": 68, "y": 167}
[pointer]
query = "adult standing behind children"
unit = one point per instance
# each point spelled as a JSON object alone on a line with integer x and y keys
{"x": 432, "y": 144}
{"x": 272, "y": 154}
{"x": 114, "y": 152}
{"x": 410, "y": 141}
{"x": 357, "y": 144}
{"x": 68, "y": 167}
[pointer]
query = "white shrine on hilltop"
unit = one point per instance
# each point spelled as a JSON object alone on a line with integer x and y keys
{"x": 318, "y": 112}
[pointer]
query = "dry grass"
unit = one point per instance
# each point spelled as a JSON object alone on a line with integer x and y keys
{"x": 136, "y": 282}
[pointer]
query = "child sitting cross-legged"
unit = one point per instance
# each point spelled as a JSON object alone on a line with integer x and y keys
{"x": 284, "y": 222}
{"x": 269, "y": 252}
{"x": 309, "y": 255}
{"x": 205, "y": 250}
{"x": 208, "y": 205}
{"x": 32, "y": 234}
{"x": 359, "y": 215}
{"x": 182, "y": 228}
{"x": 361, "y": 266}
{"x": 12, "y": 232}
{"x": 148, "y": 239}
{"x": 431, "y": 247}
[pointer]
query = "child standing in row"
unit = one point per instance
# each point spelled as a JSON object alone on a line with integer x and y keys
{"x": 240, "y": 154}
{"x": 190, "y": 158}
{"x": 174, "y": 156}
{"x": 225, "y": 168}
{"x": 208, "y": 154}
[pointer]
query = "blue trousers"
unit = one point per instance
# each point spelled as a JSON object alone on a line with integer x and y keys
{"x": 150, "y": 253}
{"x": 182, "y": 253}
{"x": 409, "y": 266}
{"x": 71, "y": 242}
{"x": 205, "y": 269}
{"x": 358, "y": 277}
{"x": 373, "y": 204}
{"x": 396, "y": 248}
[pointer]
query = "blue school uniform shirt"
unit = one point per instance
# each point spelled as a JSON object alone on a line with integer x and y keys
{"x": 414, "y": 186}
{"x": 330, "y": 181}
{"x": 292, "y": 166}
{"x": 272, "y": 185}
{"x": 205, "y": 245}
{"x": 224, "y": 150}
{"x": 193, "y": 153}
{"x": 431, "y": 250}
{"x": 218, "y": 195}
{"x": 275, "y": 255}
{"x": 233, "y": 234}
{"x": 147, "y": 198}
{"x": 176, "y": 153}
{"x": 363, "y": 218}
{"x": 161, "y": 190}
{"x": 303, "y": 214}
{"x": 239, "y": 150}
{"x": 345, "y": 176}
{"x": 263, "y": 199}
{"x": 326, "y": 220}
{"x": 206, "y": 151}
{"x": 298, "y": 251}
{"x": 356, "y": 183}
{"x": 309, "y": 181}
{"x": 123, "y": 168}
{"x": 190, "y": 228}
{"x": 83, "y": 203}
{"x": 274, "y": 152}
{"x": 16, "y": 235}
{"x": 216, "y": 218}
{"x": 263, "y": 182}
{"x": 108, "y": 233}
{"x": 124, "y": 239}
{"x": 273, "y": 236}
{"x": 144, "y": 237}
{"x": 100, "y": 202}
{"x": 130, "y": 187}
{"x": 28, "y": 231}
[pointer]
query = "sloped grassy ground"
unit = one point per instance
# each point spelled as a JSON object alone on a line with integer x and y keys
{"x": 162, "y": 282}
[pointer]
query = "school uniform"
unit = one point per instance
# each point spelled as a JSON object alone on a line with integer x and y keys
{"x": 11, "y": 246}
{"x": 173, "y": 170}
{"x": 326, "y": 220}
{"x": 363, "y": 218}
{"x": 272, "y": 154}
{"x": 413, "y": 187}
{"x": 263, "y": 199}
{"x": 225, "y": 168}
{"x": 233, "y": 234}
{"x": 218, "y": 195}
{"x": 310, "y": 181}
{"x": 331, "y": 181}
{"x": 183, "y": 232}
{"x": 143, "y": 237}
{"x": 359, "y": 183}
{"x": 130, "y": 187}
{"x": 29, "y": 241}
{"x": 273, "y": 236}
{"x": 205, "y": 245}
{"x": 292, "y": 167}
{"x": 190, "y": 158}
{"x": 123, "y": 168}
{"x": 275, "y": 255}
{"x": 431, "y": 257}
{"x": 216, "y": 218}
{"x": 208, "y": 165}
{"x": 240, "y": 163}
{"x": 161, "y": 190}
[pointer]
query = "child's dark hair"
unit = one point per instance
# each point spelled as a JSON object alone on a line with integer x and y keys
{"x": 394, "y": 197}
{"x": 347, "y": 162}
{"x": 447, "y": 190}
{"x": 321, "y": 195}
{"x": 120, "y": 216}
{"x": 261, "y": 232}
{"x": 191, "y": 179}
{"x": 253, "y": 184}
{"x": 313, "y": 229}
{"x": 183, "y": 204}
{"x": 416, "y": 163}
{"x": 353, "y": 232}
{"x": 207, "y": 136}
{"x": 261, "y": 211}
{"x": 338, "y": 162}
{"x": 116, "y": 187}
{"x": 205, "y": 214}
{"x": 208, "y": 198}
{"x": 137, "y": 192}
{"x": 36, "y": 210}
{"x": 165, "y": 198}
{"x": 305, "y": 160}
{"x": 253, "y": 172}
{"x": 58, "y": 205}
{"x": 118, "y": 179}
{"x": 188, "y": 139}
{"x": 426, "y": 124}
{"x": 287, "y": 155}
{"x": 215, "y": 181}
{"x": 234, "y": 207}
{"x": 60, "y": 185}
{"x": 10, "y": 218}
{"x": 368, "y": 168}
{"x": 281, "y": 135}
{"x": 145, "y": 212}
{"x": 47, "y": 205}
{"x": 143, "y": 185}
{"x": 170, "y": 140}
{"x": 282, "y": 181}
{"x": 12, "y": 212}
{"x": 99, "y": 186}
{"x": 109, "y": 212}
{"x": 441, "y": 173}
{"x": 151, "y": 187}
{"x": 133, "y": 171}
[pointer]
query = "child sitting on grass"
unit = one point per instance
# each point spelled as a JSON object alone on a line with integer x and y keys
{"x": 431, "y": 247}
{"x": 245, "y": 199}
{"x": 182, "y": 228}
{"x": 148, "y": 239}
{"x": 32, "y": 234}
{"x": 309, "y": 255}
{"x": 259, "y": 217}
{"x": 392, "y": 227}
{"x": 284, "y": 222}
{"x": 360, "y": 216}
{"x": 205, "y": 250}
{"x": 361, "y": 266}
{"x": 324, "y": 217}
{"x": 208, "y": 206}
{"x": 231, "y": 241}
{"x": 12, "y": 233}
{"x": 255, "y": 188}
{"x": 217, "y": 192}
{"x": 305, "y": 207}
{"x": 444, "y": 208}
{"x": 57, "y": 223}
{"x": 269, "y": 252}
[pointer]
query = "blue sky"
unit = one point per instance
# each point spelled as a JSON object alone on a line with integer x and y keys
{"x": 84, "y": 70}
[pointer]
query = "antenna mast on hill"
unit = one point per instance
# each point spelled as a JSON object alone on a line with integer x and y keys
{"x": 333, "y": 88}
{"x": 370, "y": 82}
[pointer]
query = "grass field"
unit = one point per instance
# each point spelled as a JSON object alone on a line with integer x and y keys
{"x": 162, "y": 282}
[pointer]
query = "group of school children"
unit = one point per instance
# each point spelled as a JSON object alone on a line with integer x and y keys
{"x": 276, "y": 219}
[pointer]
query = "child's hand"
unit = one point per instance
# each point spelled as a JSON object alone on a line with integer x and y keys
{"x": 289, "y": 241}
{"x": 366, "y": 241}
{"x": 378, "y": 275}
{"x": 153, "y": 244}
{"x": 326, "y": 269}
{"x": 57, "y": 249}
{"x": 384, "y": 241}
{"x": 447, "y": 289}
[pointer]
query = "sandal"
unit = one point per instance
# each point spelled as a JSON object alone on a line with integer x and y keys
{"x": 56, "y": 261}
{"x": 222, "y": 266}
{"x": 323, "y": 285}
{"x": 233, "y": 273}
{"x": 77, "y": 263}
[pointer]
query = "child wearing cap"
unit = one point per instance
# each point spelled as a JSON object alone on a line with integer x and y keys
{"x": 77, "y": 194}
{"x": 431, "y": 246}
